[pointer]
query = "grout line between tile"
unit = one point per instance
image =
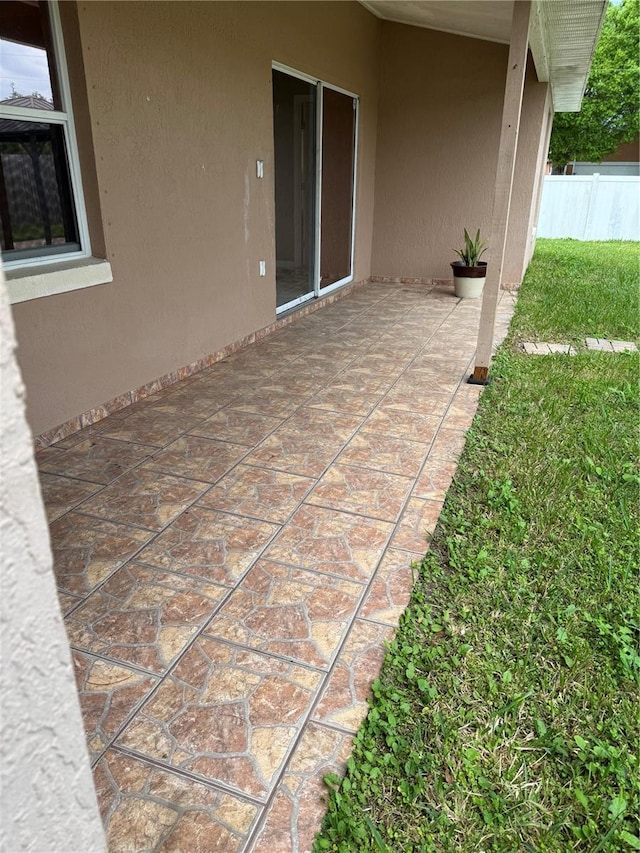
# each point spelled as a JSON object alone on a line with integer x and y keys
{"x": 192, "y": 777}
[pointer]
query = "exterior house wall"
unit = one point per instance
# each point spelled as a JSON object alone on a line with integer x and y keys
{"x": 177, "y": 109}
{"x": 439, "y": 117}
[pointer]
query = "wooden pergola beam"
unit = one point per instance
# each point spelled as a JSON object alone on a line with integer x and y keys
{"x": 511, "y": 111}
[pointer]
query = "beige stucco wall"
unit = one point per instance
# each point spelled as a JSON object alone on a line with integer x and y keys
{"x": 46, "y": 790}
{"x": 545, "y": 137}
{"x": 529, "y": 165}
{"x": 438, "y": 132}
{"x": 178, "y": 105}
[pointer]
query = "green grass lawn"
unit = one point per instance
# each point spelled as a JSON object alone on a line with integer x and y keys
{"x": 576, "y": 290}
{"x": 506, "y": 714}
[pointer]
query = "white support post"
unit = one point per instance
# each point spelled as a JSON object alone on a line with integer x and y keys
{"x": 511, "y": 110}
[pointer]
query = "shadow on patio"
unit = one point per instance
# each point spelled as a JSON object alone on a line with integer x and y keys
{"x": 232, "y": 553}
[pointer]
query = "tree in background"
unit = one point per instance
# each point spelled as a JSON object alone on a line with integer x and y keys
{"x": 610, "y": 109}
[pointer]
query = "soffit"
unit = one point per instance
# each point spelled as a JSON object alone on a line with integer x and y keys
{"x": 563, "y": 33}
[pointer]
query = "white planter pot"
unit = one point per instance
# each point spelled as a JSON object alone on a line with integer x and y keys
{"x": 469, "y": 281}
{"x": 468, "y": 288}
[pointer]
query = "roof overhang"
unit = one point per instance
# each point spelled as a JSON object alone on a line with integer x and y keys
{"x": 562, "y": 36}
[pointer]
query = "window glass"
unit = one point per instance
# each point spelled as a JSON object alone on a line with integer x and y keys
{"x": 27, "y": 69}
{"x": 36, "y": 210}
{"x": 38, "y": 219}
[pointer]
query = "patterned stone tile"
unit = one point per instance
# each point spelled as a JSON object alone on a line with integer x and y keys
{"x": 199, "y": 458}
{"x": 341, "y": 400}
{"x": 435, "y": 479}
{"x": 322, "y": 425}
{"x": 289, "y": 612}
{"x": 221, "y": 715}
{"x": 326, "y": 360}
{"x": 430, "y": 379}
{"x": 391, "y": 589}
{"x": 375, "y": 494}
{"x": 297, "y": 383}
{"x": 258, "y": 492}
{"x": 402, "y": 424}
{"x": 81, "y": 435}
{"x": 148, "y": 808}
{"x": 210, "y": 545}
{"x": 380, "y": 452}
{"x": 108, "y": 694}
{"x": 87, "y": 550}
{"x": 138, "y": 402}
{"x": 143, "y": 616}
{"x": 300, "y": 803}
{"x": 98, "y": 460}
{"x": 461, "y": 412}
{"x": 219, "y": 382}
{"x": 390, "y": 369}
{"x": 467, "y": 390}
{"x": 297, "y": 453}
{"x": 60, "y": 494}
{"x": 252, "y": 363}
{"x": 447, "y": 445}
{"x": 344, "y": 698}
{"x": 67, "y": 602}
{"x": 416, "y": 525}
{"x": 417, "y": 399}
{"x": 276, "y": 404}
{"x": 144, "y": 425}
{"x": 145, "y": 497}
{"x": 329, "y": 541}
{"x": 197, "y": 402}
{"x": 238, "y": 427}
{"x": 46, "y": 454}
{"x": 361, "y": 380}
{"x": 237, "y": 378}
{"x": 427, "y": 367}
{"x": 279, "y": 347}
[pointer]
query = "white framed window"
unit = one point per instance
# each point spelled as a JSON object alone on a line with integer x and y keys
{"x": 42, "y": 213}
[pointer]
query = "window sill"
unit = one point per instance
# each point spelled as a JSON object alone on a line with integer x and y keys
{"x": 46, "y": 280}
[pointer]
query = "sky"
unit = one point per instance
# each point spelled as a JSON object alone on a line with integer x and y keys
{"x": 24, "y": 66}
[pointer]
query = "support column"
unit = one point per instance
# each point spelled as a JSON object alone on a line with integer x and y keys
{"x": 511, "y": 110}
{"x": 46, "y": 789}
{"x": 543, "y": 151}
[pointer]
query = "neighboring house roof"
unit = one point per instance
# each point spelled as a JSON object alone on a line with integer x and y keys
{"x": 563, "y": 33}
{"x": 32, "y": 102}
{"x": 14, "y": 128}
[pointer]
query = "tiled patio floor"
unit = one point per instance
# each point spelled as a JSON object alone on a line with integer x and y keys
{"x": 233, "y": 552}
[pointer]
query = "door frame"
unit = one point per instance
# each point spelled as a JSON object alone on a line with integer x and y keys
{"x": 320, "y": 86}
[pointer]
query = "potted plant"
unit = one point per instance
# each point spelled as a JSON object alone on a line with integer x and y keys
{"x": 469, "y": 273}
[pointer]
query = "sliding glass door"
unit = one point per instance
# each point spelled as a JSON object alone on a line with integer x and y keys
{"x": 294, "y": 129}
{"x": 315, "y": 141}
{"x": 338, "y": 168}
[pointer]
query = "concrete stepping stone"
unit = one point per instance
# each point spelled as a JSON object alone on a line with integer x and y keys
{"x": 597, "y": 344}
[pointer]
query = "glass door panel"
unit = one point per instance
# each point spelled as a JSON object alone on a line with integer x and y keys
{"x": 338, "y": 167}
{"x": 294, "y": 124}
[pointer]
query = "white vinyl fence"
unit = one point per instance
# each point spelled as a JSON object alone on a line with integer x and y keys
{"x": 590, "y": 207}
